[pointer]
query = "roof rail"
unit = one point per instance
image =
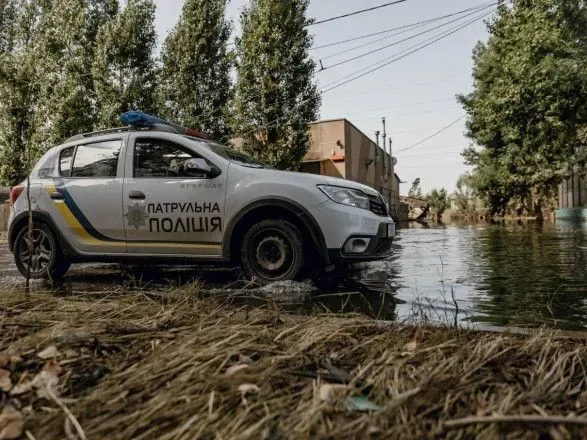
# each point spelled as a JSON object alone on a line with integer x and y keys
{"x": 155, "y": 127}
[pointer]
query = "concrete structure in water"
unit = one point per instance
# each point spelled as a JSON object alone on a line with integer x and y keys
{"x": 572, "y": 199}
{"x": 340, "y": 149}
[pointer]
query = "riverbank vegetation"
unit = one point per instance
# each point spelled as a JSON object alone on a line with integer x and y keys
{"x": 176, "y": 364}
{"x": 527, "y": 113}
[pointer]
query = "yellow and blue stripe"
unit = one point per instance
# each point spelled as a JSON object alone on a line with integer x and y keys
{"x": 84, "y": 229}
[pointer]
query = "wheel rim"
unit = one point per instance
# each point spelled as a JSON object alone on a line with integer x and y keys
{"x": 41, "y": 251}
{"x": 272, "y": 254}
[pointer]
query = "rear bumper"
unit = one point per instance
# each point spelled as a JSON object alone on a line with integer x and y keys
{"x": 379, "y": 248}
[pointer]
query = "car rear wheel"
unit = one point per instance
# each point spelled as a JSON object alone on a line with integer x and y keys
{"x": 42, "y": 252}
{"x": 272, "y": 250}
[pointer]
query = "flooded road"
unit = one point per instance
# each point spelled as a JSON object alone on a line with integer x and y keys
{"x": 489, "y": 275}
{"x": 481, "y": 276}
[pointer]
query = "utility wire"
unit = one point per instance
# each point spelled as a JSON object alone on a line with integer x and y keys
{"x": 412, "y": 28}
{"x": 444, "y": 35}
{"x": 374, "y": 67}
{"x": 432, "y": 135}
{"x": 361, "y": 11}
{"x": 360, "y": 37}
{"x": 395, "y": 43}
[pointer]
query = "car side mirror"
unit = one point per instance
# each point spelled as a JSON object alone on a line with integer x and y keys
{"x": 197, "y": 167}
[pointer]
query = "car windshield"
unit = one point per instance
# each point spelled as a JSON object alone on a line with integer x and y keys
{"x": 231, "y": 154}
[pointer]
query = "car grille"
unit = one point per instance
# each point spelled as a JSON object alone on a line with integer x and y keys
{"x": 377, "y": 206}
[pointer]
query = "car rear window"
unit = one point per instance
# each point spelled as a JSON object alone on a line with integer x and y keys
{"x": 65, "y": 159}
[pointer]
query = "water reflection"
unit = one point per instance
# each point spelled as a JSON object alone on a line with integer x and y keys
{"x": 481, "y": 275}
{"x": 515, "y": 274}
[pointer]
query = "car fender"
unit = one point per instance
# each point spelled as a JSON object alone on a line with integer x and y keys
{"x": 43, "y": 216}
{"x": 284, "y": 203}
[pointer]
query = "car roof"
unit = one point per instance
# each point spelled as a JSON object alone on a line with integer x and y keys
{"x": 154, "y": 128}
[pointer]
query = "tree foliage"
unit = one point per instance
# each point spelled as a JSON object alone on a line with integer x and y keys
{"x": 528, "y": 110}
{"x": 18, "y": 89}
{"x": 124, "y": 67}
{"x": 195, "y": 80}
{"x": 415, "y": 190}
{"x": 62, "y": 66}
{"x": 438, "y": 202}
{"x": 45, "y": 80}
{"x": 276, "y": 96}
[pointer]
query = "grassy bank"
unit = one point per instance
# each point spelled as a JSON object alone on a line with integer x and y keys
{"x": 133, "y": 366}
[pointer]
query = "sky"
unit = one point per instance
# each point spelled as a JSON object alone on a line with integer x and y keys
{"x": 416, "y": 94}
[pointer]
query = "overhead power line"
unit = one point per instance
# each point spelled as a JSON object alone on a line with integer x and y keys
{"x": 432, "y": 135}
{"x": 397, "y": 28}
{"x": 361, "y": 11}
{"x": 422, "y": 46}
{"x": 416, "y": 48}
{"x": 395, "y": 43}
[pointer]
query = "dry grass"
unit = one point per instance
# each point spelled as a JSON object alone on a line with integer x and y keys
{"x": 139, "y": 368}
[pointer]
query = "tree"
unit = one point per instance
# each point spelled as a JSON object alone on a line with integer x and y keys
{"x": 415, "y": 190}
{"x": 18, "y": 89}
{"x": 194, "y": 81}
{"x": 60, "y": 50}
{"x": 45, "y": 82}
{"x": 438, "y": 202}
{"x": 463, "y": 196}
{"x": 8, "y": 15}
{"x": 528, "y": 109}
{"x": 124, "y": 68}
{"x": 276, "y": 96}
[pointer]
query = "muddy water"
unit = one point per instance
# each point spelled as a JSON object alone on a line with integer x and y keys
{"x": 481, "y": 276}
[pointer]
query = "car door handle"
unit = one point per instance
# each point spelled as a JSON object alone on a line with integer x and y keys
{"x": 137, "y": 195}
{"x": 56, "y": 195}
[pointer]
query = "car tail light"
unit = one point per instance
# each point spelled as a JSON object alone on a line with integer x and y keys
{"x": 15, "y": 192}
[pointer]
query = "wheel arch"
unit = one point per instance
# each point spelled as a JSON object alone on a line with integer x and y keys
{"x": 21, "y": 221}
{"x": 280, "y": 208}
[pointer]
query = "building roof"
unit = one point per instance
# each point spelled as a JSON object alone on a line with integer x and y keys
{"x": 346, "y": 121}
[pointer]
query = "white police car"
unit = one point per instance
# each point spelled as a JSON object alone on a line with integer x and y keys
{"x": 154, "y": 193}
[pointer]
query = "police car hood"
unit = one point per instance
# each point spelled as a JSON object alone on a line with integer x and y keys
{"x": 306, "y": 179}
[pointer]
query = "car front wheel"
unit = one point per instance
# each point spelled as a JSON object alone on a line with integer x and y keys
{"x": 42, "y": 252}
{"x": 272, "y": 250}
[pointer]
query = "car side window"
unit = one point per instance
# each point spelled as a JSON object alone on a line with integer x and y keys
{"x": 65, "y": 159}
{"x": 98, "y": 159}
{"x": 162, "y": 158}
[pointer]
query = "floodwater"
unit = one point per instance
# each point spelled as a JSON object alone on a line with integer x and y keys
{"x": 488, "y": 275}
{"x": 481, "y": 276}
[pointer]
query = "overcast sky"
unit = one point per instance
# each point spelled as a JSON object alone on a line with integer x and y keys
{"x": 415, "y": 94}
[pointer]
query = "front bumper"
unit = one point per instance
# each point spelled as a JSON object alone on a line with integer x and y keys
{"x": 340, "y": 223}
{"x": 379, "y": 248}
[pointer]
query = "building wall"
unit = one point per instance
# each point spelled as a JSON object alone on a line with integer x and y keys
{"x": 327, "y": 142}
{"x": 573, "y": 193}
{"x": 355, "y": 155}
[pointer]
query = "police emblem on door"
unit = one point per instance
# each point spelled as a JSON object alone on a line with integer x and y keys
{"x": 137, "y": 216}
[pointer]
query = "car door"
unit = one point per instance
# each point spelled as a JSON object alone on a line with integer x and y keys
{"x": 86, "y": 198}
{"x": 170, "y": 209}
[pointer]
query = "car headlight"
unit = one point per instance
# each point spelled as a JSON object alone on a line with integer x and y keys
{"x": 346, "y": 196}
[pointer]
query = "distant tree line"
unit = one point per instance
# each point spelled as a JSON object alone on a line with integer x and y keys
{"x": 528, "y": 111}
{"x": 72, "y": 66}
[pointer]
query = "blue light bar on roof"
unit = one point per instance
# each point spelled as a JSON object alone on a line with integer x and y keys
{"x": 138, "y": 119}
{"x": 142, "y": 120}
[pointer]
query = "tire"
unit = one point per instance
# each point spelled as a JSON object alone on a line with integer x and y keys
{"x": 272, "y": 250}
{"x": 48, "y": 262}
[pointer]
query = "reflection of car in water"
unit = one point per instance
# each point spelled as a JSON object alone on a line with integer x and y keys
{"x": 150, "y": 194}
